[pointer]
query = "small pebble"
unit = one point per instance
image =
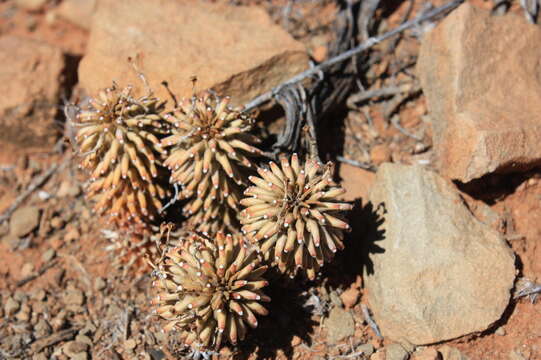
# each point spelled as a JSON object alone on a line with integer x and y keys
{"x": 57, "y": 222}
{"x": 426, "y": 354}
{"x": 366, "y": 349}
{"x": 48, "y": 255}
{"x": 395, "y": 352}
{"x": 27, "y": 270}
{"x": 296, "y": 341}
{"x": 99, "y": 284}
{"x": 74, "y": 297}
{"x": 11, "y": 306}
{"x": 40, "y": 356}
{"x": 83, "y": 339}
{"x": 76, "y": 347}
{"x": 24, "y": 313}
{"x": 500, "y": 331}
{"x": 39, "y": 295}
{"x": 130, "y": 344}
{"x": 71, "y": 235}
{"x": 42, "y": 328}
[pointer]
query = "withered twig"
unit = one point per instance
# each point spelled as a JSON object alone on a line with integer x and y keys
{"x": 396, "y": 123}
{"x": 358, "y": 164}
{"x": 33, "y": 187}
{"x": 173, "y": 200}
{"x": 376, "y": 93}
{"x": 40, "y": 272}
{"x": 350, "y": 53}
{"x": 368, "y": 318}
{"x": 55, "y": 338}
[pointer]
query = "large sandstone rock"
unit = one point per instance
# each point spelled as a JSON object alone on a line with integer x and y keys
{"x": 30, "y": 80}
{"x": 236, "y": 50}
{"x": 442, "y": 273}
{"x": 482, "y": 79}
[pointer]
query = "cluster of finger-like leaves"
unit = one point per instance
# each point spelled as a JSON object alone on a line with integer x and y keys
{"x": 119, "y": 140}
{"x": 210, "y": 150}
{"x": 293, "y": 214}
{"x": 209, "y": 290}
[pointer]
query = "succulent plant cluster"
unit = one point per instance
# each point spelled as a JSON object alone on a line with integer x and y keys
{"x": 210, "y": 290}
{"x": 208, "y": 284}
{"x": 210, "y": 150}
{"x": 118, "y": 139}
{"x": 292, "y": 213}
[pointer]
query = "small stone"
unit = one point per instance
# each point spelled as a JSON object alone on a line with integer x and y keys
{"x": 24, "y": 220}
{"x": 340, "y": 325}
{"x": 71, "y": 235}
{"x": 75, "y": 347}
{"x": 500, "y": 331}
{"x": 27, "y": 270}
{"x": 380, "y": 154}
{"x": 40, "y": 356}
{"x": 80, "y": 356}
{"x": 366, "y": 349}
{"x": 24, "y": 314}
{"x": 89, "y": 328}
{"x": 380, "y": 355}
{"x": 57, "y": 222}
{"x": 68, "y": 189}
{"x": 74, "y": 297}
{"x": 395, "y": 352}
{"x": 426, "y": 354}
{"x": 42, "y": 328}
{"x": 130, "y": 344}
{"x": 48, "y": 255}
{"x": 450, "y": 353}
{"x": 350, "y": 297}
{"x": 296, "y": 341}
{"x": 11, "y": 306}
{"x": 83, "y": 339}
{"x": 99, "y": 284}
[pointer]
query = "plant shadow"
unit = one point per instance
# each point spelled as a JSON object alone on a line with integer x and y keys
{"x": 289, "y": 316}
{"x": 360, "y": 244}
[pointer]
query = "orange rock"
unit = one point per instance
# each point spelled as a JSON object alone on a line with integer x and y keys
{"x": 350, "y": 297}
{"x": 236, "y": 50}
{"x": 356, "y": 181}
{"x": 30, "y": 86}
{"x": 380, "y": 154}
{"x": 483, "y": 101}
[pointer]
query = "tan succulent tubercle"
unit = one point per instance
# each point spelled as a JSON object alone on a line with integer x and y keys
{"x": 118, "y": 139}
{"x": 210, "y": 290}
{"x": 209, "y": 150}
{"x": 293, "y": 214}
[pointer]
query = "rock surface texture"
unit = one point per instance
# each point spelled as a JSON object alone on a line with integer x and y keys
{"x": 236, "y": 50}
{"x": 30, "y": 75}
{"x": 482, "y": 79}
{"x": 443, "y": 273}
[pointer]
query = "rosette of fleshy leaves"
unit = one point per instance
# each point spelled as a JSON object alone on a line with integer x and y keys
{"x": 210, "y": 156}
{"x": 118, "y": 139}
{"x": 293, "y": 214}
{"x": 209, "y": 290}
